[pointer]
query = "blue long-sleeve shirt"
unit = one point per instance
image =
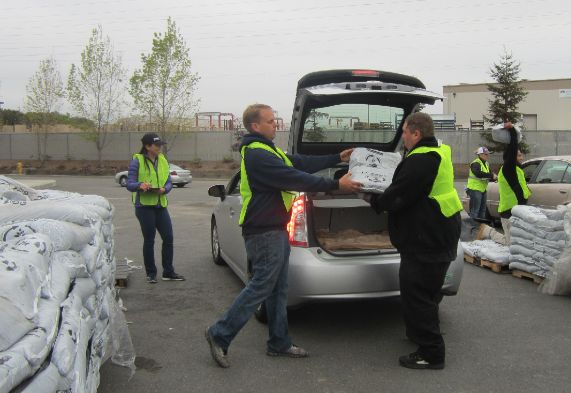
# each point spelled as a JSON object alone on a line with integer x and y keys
{"x": 133, "y": 182}
{"x": 268, "y": 175}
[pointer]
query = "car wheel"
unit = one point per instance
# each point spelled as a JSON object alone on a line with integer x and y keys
{"x": 261, "y": 313}
{"x": 123, "y": 181}
{"x": 215, "y": 243}
{"x": 180, "y": 185}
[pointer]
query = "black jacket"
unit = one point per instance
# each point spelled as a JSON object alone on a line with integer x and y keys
{"x": 416, "y": 225}
{"x": 477, "y": 170}
{"x": 268, "y": 175}
{"x": 508, "y": 169}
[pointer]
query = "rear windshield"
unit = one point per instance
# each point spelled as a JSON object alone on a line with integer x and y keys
{"x": 352, "y": 123}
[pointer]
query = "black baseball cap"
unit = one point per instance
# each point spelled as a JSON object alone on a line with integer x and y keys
{"x": 152, "y": 139}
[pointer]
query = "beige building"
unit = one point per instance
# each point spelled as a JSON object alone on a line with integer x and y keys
{"x": 547, "y": 105}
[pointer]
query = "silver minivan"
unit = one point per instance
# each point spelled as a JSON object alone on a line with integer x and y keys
{"x": 339, "y": 246}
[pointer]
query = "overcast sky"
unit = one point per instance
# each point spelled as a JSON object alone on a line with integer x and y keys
{"x": 248, "y": 51}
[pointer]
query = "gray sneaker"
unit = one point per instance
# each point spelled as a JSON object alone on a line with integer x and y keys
{"x": 293, "y": 352}
{"x": 219, "y": 355}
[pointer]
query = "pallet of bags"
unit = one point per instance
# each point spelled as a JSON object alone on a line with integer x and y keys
{"x": 537, "y": 241}
{"x": 558, "y": 278}
{"x": 487, "y": 253}
{"x": 61, "y": 320}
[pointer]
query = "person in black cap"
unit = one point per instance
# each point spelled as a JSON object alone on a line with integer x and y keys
{"x": 149, "y": 181}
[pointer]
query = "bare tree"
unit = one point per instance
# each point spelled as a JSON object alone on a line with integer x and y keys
{"x": 95, "y": 87}
{"x": 164, "y": 87}
{"x": 44, "y": 96}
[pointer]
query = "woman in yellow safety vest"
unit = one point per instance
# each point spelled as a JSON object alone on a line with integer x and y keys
{"x": 149, "y": 181}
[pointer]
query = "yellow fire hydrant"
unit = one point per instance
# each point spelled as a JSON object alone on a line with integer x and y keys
{"x": 20, "y": 168}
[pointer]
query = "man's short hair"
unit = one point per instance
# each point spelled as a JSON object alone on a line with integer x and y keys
{"x": 422, "y": 122}
{"x": 252, "y": 115}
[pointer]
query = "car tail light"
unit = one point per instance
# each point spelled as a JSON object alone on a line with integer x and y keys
{"x": 297, "y": 226}
{"x": 372, "y": 73}
{"x": 173, "y": 173}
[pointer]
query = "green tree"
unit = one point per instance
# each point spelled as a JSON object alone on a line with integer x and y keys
{"x": 507, "y": 93}
{"x": 44, "y": 96}
{"x": 95, "y": 87}
{"x": 164, "y": 87}
{"x": 11, "y": 117}
{"x": 312, "y": 131}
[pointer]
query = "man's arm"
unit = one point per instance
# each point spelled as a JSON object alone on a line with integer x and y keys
{"x": 477, "y": 171}
{"x": 412, "y": 182}
{"x": 312, "y": 164}
{"x": 268, "y": 172}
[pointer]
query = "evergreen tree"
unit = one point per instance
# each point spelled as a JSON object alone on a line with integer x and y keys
{"x": 507, "y": 94}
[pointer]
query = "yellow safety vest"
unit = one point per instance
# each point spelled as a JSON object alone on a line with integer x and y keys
{"x": 476, "y": 183}
{"x": 443, "y": 190}
{"x": 245, "y": 191}
{"x": 508, "y": 199}
{"x": 157, "y": 179}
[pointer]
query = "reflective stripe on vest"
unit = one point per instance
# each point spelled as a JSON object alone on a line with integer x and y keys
{"x": 508, "y": 199}
{"x": 157, "y": 179}
{"x": 443, "y": 190}
{"x": 476, "y": 183}
{"x": 245, "y": 191}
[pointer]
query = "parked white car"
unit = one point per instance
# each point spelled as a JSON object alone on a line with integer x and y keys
{"x": 180, "y": 177}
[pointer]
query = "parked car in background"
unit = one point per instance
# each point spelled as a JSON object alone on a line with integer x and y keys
{"x": 340, "y": 247}
{"x": 179, "y": 176}
{"x": 549, "y": 180}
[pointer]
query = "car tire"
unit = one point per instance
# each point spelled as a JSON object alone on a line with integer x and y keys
{"x": 215, "y": 244}
{"x": 180, "y": 185}
{"x": 123, "y": 181}
{"x": 261, "y": 313}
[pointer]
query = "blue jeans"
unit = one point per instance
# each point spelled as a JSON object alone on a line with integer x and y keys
{"x": 153, "y": 219}
{"x": 268, "y": 254}
{"x": 477, "y": 203}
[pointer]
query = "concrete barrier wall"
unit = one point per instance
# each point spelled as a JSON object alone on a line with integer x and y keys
{"x": 217, "y": 146}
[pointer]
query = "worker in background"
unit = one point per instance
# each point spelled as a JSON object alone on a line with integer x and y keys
{"x": 512, "y": 187}
{"x": 478, "y": 179}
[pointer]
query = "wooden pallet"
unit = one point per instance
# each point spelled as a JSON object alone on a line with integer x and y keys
{"x": 471, "y": 259}
{"x": 122, "y": 274}
{"x": 494, "y": 266}
{"x": 527, "y": 276}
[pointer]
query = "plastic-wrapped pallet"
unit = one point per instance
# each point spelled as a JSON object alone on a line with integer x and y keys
{"x": 537, "y": 238}
{"x": 487, "y": 249}
{"x": 558, "y": 278}
{"x": 51, "y": 241}
{"x": 373, "y": 168}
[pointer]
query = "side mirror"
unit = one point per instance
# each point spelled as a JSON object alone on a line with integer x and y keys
{"x": 217, "y": 191}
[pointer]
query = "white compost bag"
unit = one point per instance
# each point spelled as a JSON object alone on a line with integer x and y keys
{"x": 373, "y": 168}
{"x": 501, "y": 135}
{"x": 64, "y": 235}
{"x": 14, "y": 324}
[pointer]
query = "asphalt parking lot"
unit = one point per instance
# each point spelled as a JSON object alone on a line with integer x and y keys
{"x": 502, "y": 335}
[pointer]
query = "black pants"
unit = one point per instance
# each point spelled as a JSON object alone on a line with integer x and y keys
{"x": 153, "y": 219}
{"x": 420, "y": 285}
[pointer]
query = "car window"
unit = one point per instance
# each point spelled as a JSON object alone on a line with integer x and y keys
{"x": 529, "y": 169}
{"x": 233, "y": 187}
{"x": 552, "y": 171}
{"x": 352, "y": 123}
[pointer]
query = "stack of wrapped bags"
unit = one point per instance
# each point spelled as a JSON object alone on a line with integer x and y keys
{"x": 489, "y": 250}
{"x": 537, "y": 238}
{"x": 59, "y": 316}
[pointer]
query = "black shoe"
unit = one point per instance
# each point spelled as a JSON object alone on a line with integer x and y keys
{"x": 219, "y": 355}
{"x": 293, "y": 352}
{"x": 416, "y": 361}
{"x": 173, "y": 277}
{"x": 152, "y": 279}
